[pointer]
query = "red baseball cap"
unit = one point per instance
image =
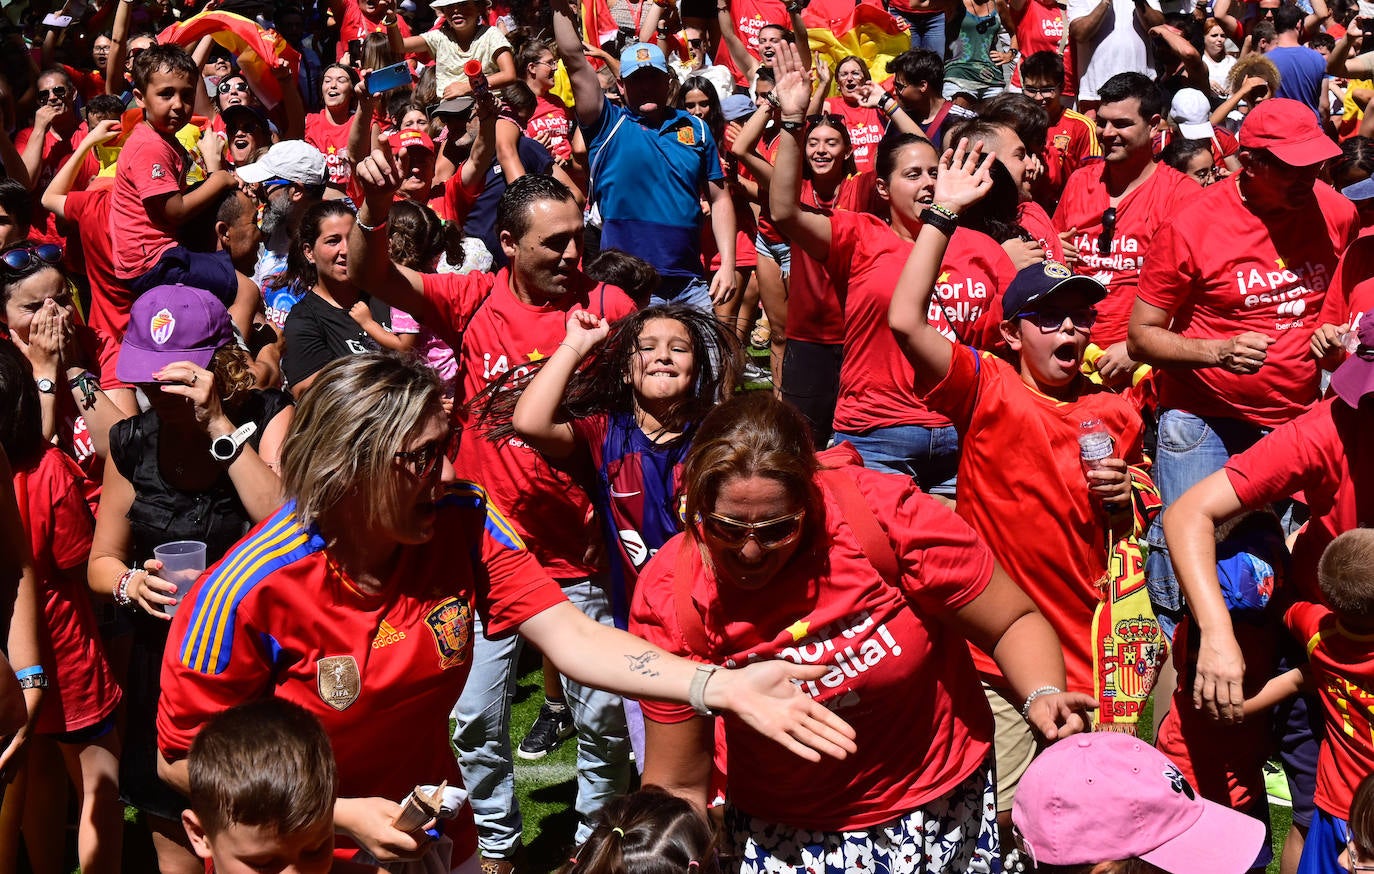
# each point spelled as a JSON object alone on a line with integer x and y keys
{"x": 1288, "y": 130}
{"x": 410, "y": 139}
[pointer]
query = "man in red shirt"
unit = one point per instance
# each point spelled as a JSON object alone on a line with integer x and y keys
{"x": 1072, "y": 137}
{"x": 1228, "y": 326}
{"x": 47, "y": 145}
{"x": 497, "y": 323}
{"x": 1115, "y": 206}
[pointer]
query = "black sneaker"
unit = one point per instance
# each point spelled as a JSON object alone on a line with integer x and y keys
{"x": 549, "y": 730}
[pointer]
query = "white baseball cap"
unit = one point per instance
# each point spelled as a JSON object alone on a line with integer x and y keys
{"x": 293, "y": 160}
{"x": 1190, "y": 111}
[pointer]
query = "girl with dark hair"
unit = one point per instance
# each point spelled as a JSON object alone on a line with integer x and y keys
{"x": 1193, "y": 158}
{"x": 647, "y": 832}
{"x": 74, "y": 732}
{"x": 328, "y": 129}
{"x": 551, "y": 123}
{"x": 334, "y": 318}
{"x": 877, "y": 408}
{"x": 632, "y": 413}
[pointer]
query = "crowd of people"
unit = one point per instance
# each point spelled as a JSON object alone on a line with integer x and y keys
{"x": 920, "y": 437}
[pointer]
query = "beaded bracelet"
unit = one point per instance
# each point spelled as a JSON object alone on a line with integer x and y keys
{"x": 1030, "y": 699}
{"x": 121, "y": 589}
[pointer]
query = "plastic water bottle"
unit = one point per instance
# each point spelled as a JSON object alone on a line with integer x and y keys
{"x": 476, "y": 78}
{"x": 1094, "y": 443}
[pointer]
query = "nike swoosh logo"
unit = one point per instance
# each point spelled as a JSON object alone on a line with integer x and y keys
{"x": 616, "y": 494}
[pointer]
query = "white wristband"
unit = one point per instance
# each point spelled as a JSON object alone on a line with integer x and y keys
{"x": 696, "y": 695}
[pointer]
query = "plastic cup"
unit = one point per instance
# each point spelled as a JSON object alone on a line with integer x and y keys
{"x": 183, "y": 561}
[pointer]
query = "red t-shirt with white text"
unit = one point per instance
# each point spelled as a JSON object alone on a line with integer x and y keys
{"x": 866, "y": 126}
{"x": 1042, "y": 28}
{"x": 332, "y": 140}
{"x": 867, "y": 257}
{"x": 552, "y": 116}
{"x": 493, "y": 332}
{"x": 1139, "y": 215}
{"x": 897, "y": 673}
{"x": 1023, "y": 489}
{"x": 1249, "y": 283}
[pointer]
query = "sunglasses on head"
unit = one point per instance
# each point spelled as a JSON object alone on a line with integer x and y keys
{"x": 59, "y": 92}
{"x": 21, "y": 258}
{"x": 233, "y": 85}
{"x": 1104, "y": 240}
{"x": 768, "y": 534}
{"x": 1051, "y": 320}
{"x": 425, "y": 459}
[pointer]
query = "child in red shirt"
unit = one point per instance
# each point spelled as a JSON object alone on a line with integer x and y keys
{"x": 1339, "y": 638}
{"x": 150, "y": 201}
{"x": 1022, "y": 486}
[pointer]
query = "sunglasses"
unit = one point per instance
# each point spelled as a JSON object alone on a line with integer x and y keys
{"x": 60, "y": 92}
{"x": 423, "y": 461}
{"x": 1051, "y": 320}
{"x": 235, "y": 85}
{"x": 985, "y": 26}
{"x": 769, "y": 534}
{"x": 22, "y": 258}
{"x": 1030, "y": 90}
{"x": 1104, "y": 241}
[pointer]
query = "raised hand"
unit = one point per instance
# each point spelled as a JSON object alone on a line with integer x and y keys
{"x": 585, "y": 331}
{"x": 965, "y": 176}
{"x": 792, "y": 88}
{"x": 379, "y": 175}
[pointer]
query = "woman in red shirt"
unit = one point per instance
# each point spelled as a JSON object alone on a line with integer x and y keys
{"x": 814, "y": 559}
{"x": 327, "y": 130}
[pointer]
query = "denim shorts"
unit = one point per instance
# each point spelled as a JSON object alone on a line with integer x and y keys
{"x": 778, "y": 252}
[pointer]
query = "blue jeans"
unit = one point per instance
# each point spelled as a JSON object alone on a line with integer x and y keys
{"x": 1190, "y": 449}
{"x": 927, "y": 29}
{"x": 928, "y": 455}
{"x": 482, "y": 734}
{"x": 694, "y": 292}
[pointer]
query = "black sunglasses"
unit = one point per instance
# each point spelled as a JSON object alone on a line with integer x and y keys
{"x": 1104, "y": 241}
{"x": 21, "y": 258}
{"x": 985, "y": 25}
{"x": 226, "y": 87}
{"x": 424, "y": 460}
{"x": 59, "y": 92}
{"x": 1051, "y": 320}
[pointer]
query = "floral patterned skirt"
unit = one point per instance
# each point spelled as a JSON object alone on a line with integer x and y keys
{"x": 950, "y": 835}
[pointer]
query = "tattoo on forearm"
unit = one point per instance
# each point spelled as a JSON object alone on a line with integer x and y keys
{"x": 640, "y": 664}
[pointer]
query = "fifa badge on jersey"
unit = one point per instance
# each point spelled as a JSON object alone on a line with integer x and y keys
{"x": 451, "y": 623}
{"x": 686, "y": 135}
{"x": 338, "y": 680}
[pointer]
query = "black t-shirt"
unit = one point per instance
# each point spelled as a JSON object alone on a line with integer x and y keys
{"x": 481, "y": 220}
{"x": 317, "y": 332}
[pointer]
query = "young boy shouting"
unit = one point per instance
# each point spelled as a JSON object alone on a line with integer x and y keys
{"x": 150, "y": 201}
{"x": 1022, "y": 485}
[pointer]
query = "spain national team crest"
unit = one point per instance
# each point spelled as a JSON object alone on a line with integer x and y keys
{"x": 1061, "y": 142}
{"x": 162, "y": 326}
{"x": 687, "y": 136}
{"x": 451, "y": 623}
{"x": 338, "y": 680}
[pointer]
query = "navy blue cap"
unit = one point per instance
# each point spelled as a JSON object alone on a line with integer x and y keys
{"x": 1362, "y": 190}
{"x": 1038, "y": 281}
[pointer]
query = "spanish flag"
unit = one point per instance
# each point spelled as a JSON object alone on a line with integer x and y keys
{"x": 258, "y": 50}
{"x": 838, "y": 29}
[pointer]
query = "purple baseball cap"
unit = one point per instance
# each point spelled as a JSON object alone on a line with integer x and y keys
{"x": 1101, "y": 797}
{"x": 1355, "y": 378}
{"x": 170, "y": 323}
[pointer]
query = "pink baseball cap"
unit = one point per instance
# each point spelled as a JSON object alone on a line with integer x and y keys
{"x": 1109, "y": 796}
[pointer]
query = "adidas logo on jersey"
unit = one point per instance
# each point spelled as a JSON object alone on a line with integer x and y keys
{"x": 387, "y": 635}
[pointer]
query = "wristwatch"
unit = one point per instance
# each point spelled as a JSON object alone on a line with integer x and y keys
{"x": 46, "y": 386}
{"x": 227, "y": 446}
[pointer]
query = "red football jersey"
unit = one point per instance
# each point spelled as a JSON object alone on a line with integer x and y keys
{"x": 277, "y": 616}
{"x": 332, "y": 140}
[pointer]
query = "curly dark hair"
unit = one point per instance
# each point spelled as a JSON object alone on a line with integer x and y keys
{"x": 601, "y": 387}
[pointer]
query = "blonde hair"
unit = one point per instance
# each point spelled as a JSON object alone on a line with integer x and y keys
{"x": 347, "y": 430}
